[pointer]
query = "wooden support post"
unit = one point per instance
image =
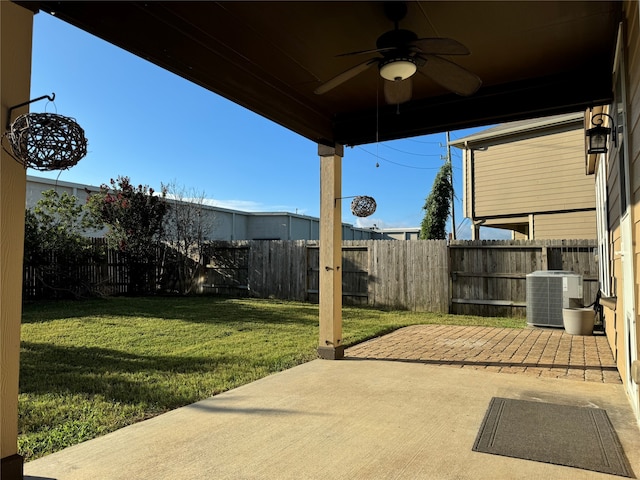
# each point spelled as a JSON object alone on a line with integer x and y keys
{"x": 544, "y": 258}
{"x": 16, "y": 24}
{"x": 330, "y": 343}
{"x": 532, "y": 227}
{"x": 475, "y": 231}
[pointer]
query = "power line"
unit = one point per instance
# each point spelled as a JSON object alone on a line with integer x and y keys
{"x": 396, "y": 163}
{"x": 411, "y": 153}
{"x": 419, "y": 141}
{"x": 462, "y": 223}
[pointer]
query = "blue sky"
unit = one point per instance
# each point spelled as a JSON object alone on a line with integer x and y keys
{"x": 155, "y": 127}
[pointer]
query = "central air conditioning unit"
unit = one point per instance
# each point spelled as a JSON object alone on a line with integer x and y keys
{"x": 548, "y": 292}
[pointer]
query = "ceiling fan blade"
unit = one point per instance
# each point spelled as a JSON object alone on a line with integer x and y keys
{"x": 398, "y": 91}
{"x": 344, "y": 76}
{"x": 451, "y": 75}
{"x": 440, "y": 46}
{"x": 362, "y": 52}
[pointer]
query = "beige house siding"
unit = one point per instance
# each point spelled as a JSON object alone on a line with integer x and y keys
{"x": 519, "y": 176}
{"x": 467, "y": 198}
{"x": 615, "y": 319}
{"x": 540, "y": 174}
{"x": 549, "y": 226}
{"x": 633, "y": 119}
{"x": 614, "y": 311}
{"x": 565, "y": 225}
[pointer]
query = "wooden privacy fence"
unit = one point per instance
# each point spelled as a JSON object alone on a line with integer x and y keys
{"x": 383, "y": 273}
{"x": 489, "y": 277}
{"x": 104, "y": 272}
{"x": 465, "y": 277}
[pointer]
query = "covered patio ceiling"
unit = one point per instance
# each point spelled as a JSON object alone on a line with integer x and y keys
{"x": 534, "y": 58}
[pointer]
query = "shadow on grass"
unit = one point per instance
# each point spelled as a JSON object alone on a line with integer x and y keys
{"x": 120, "y": 376}
{"x": 190, "y": 309}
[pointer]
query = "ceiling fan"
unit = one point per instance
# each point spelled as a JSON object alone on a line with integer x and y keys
{"x": 402, "y": 54}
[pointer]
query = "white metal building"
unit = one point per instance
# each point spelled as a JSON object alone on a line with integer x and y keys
{"x": 227, "y": 224}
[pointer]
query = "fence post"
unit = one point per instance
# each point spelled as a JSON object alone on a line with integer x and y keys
{"x": 449, "y": 277}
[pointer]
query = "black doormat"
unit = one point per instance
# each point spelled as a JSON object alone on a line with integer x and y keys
{"x": 577, "y": 437}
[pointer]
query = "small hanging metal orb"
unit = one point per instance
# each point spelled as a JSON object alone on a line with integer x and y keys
{"x": 363, "y": 206}
{"x": 47, "y": 141}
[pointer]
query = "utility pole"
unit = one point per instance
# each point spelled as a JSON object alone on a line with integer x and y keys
{"x": 453, "y": 208}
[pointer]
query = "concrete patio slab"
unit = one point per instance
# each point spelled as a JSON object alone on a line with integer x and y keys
{"x": 357, "y": 419}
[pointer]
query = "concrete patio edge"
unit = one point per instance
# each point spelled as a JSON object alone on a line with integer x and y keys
{"x": 359, "y": 419}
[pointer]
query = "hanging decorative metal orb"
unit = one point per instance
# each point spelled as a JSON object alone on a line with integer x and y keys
{"x": 363, "y": 206}
{"x": 47, "y": 141}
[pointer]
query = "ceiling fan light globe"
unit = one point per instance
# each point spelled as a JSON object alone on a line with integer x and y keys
{"x": 398, "y": 69}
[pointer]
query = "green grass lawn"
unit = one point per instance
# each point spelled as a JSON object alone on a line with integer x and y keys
{"x": 93, "y": 366}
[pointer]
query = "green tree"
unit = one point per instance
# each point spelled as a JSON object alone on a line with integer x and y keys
{"x": 134, "y": 216}
{"x": 437, "y": 206}
{"x": 56, "y": 246}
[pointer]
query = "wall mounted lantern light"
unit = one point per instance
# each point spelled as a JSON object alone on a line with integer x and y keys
{"x": 599, "y": 134}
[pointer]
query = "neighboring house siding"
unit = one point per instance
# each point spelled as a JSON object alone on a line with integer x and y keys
{"x": 529, "y": 177}
{"x": 520, "y": 236}
{"x": 565, "y": 225}
{"x": 540, "y": 174}
{"x": 467, "y": 199}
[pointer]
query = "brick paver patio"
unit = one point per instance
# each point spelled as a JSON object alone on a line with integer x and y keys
{"x": 537, "y": 352}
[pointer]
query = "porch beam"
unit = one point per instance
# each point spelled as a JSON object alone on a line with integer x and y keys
{"x": 330, "y": 343}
